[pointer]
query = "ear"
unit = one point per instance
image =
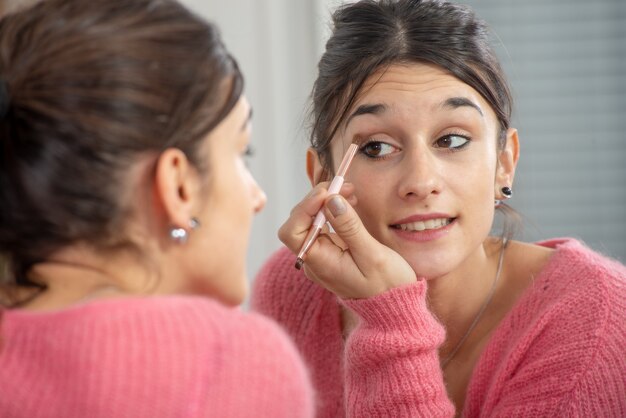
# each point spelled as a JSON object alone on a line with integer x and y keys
{"x": 176, "y": 184}
{"x": 314, "y": 169}
{"x": 507, "y": 161}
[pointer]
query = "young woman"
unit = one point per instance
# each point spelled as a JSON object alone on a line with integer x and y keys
{"x": 487, "y": 326}
{"x": 126, "y": 209}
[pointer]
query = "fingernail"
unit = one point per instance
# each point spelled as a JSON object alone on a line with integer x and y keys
{"x": 336, "y": 206}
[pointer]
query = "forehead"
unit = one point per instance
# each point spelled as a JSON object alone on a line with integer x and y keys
{"x": 424, "y": 85}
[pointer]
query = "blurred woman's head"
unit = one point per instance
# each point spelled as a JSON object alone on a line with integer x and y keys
{"x": 112, "y": 104}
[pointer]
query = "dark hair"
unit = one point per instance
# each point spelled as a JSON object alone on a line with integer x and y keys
{"x": 92, "y": 85}
{"x": 370, "y": 35}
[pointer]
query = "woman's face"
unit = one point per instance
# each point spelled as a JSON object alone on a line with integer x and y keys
{"x": 232, "y": 199}
{"x": 425, "y": 175}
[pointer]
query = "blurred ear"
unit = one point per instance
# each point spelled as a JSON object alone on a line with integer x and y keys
{"x": 176, "y": 184}
{"x": 314, "y": 169}
{"x": 507, "y": 161}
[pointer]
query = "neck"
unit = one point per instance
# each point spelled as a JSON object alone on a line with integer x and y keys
{"x": 456, "y": 299}
{"x": 77, "y": 274}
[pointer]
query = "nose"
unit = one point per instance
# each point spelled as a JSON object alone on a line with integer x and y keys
{"x": 420, "y": 175}
{"x": 259, "y": 197}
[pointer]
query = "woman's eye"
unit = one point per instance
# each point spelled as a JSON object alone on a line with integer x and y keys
{"x": 376, "y": 149}
{"x": 247, "y": 154}
{"x": 452, "y": 142}
{"x": 249, "y": 151}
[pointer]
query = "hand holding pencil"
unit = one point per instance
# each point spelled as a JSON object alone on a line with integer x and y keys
{"x": 320, "y": 218}
{"x": 362, "y": 267}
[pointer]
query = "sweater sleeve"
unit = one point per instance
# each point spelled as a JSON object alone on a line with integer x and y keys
{"x": 389, "y": 366}
{"x": 391, "y": 360}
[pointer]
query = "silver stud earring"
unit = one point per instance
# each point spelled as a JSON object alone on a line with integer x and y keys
{"x": 181, "y": 235}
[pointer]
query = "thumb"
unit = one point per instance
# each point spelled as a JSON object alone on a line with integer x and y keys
{"x": 349, "y": 227}
{"x": 378, "y": 268}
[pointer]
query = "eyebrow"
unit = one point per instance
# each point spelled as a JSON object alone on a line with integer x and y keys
{"x": 368, "y": 109}
{"x": 456, "y": 102}
{"x": 378, "y": 108}
{"x": 247, "y": 121}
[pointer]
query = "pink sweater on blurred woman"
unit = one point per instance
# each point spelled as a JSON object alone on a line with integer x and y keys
{"x": 560, "y": 352}
{"x": 149, "y": 357}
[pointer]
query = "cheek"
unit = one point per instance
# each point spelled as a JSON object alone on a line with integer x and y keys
{"x": 475, "y": 191}
{"x": 245, "y": 183}
{"x": 372, "y": 191}
{"x": 475, "y": 181}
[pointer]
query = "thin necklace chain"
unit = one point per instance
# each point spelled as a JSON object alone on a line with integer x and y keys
{"x": 458, "y": 346}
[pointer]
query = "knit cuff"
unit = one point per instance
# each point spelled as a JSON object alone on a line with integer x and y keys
{"x": 397, "y": 309}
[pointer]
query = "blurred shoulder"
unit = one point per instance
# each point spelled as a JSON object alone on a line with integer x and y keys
{"x": 179, "y": 318}
{"x": 210, "y": 318}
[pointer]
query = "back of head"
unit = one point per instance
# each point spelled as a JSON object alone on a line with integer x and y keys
{"x": 369, "y": 35}
{"x": 90, "y": 86}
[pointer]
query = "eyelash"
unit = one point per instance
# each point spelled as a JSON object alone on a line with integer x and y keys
{"x": 247, "y": 154}
{"x": 370, "y": 141}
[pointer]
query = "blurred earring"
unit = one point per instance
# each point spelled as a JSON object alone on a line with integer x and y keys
{"x": 180, "y": 235}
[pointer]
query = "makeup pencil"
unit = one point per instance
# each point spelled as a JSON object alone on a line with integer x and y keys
{"x": 320, "y": 219}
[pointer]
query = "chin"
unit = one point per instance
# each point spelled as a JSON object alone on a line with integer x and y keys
{"x": 235, "y": 294}
{"x": 235, "y": 300}
{"x": 429, "y": 269}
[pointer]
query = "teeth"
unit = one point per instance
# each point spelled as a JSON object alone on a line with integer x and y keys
{"x": 429, "y": 224}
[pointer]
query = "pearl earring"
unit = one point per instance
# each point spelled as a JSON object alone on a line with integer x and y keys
{"x": 180, "y": 235}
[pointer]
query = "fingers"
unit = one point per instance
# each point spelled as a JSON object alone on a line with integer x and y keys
{"x": 362, "y": 267}
{"x": 349, "y": 262}
{"x": 349, "y": 227}
{"x": 295, "y": 229}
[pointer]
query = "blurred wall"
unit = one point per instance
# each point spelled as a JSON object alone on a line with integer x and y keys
{"x": 566, "y": 61}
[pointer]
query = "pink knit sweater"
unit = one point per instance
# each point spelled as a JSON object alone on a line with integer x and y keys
{"x": 149, "y": 357}
{"x": 561, "y": 351}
